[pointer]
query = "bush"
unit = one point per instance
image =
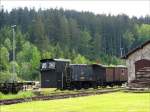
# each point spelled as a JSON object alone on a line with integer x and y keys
{"x": 5, "y": 77}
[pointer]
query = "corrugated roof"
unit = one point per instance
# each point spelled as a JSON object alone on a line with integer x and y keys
{"x": 134, "y": 50}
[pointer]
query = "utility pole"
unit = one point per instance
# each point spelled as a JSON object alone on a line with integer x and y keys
{"x": 14, "y": 46}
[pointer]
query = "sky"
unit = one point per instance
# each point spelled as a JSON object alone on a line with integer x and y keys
{"x": 131, "y": 8}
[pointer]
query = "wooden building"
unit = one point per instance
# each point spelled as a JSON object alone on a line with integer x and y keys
{"x": 138, "y": 64}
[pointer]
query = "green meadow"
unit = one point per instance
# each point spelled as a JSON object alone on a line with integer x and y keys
{"x": 111, "y": 102}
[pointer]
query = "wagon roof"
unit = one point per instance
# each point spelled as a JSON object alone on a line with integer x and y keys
{"x": 135, "y": 49}
{"x": 116, "y": 66}
{"x": 99, "y": 65}
{"x": 66, "y": 60}
{"x": 78, "y": 64}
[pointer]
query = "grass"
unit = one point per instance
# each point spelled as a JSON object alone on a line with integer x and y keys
{"x": 44, "y": 92}
{"x": 24, "y": 94}
{"x": 111, "y": 102}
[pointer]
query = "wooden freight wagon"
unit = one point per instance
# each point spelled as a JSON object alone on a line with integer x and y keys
{"x": 116, "y": 75}
{"x": 110, "y": 75}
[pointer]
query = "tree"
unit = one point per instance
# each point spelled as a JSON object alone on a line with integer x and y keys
{"x": 29, "y": 59}
{"x": 25, "y": 71}
{"x": 96, "y": 46}
{"x": 17, "y": 70}
{"x": 46, "y": 55}
{"x": 74, "y": 34}
{"x": 35, "y": 58}
{"x": 144, "y": 31}
{"x": 7, "y": 44}
{"x": 4, "y": 58}
{"x": 143, "y": 34}
{"x": 64, "y": 32}
{"x": 5, "y": 76}
{"x": 37, "y": 34}
{"x": 5, "y": 32}
{"x": 58, "y": 51}
{"x": 84, "y": 46}
{"x": 128, "y": 40}
{"x": 80, "y": 59}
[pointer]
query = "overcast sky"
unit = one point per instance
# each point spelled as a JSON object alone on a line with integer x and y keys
{"x": 131, "y": 8}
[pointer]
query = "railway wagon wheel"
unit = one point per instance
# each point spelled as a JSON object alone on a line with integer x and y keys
{"x": 78, "y": 85}
{"x": 4, "y": 91}
{"x": 85, "y": 85}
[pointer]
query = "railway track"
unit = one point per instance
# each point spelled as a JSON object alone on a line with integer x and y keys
{"x": 53, "y": 97}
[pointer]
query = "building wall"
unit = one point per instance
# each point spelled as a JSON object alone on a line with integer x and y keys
{"x": 143, "y": 53}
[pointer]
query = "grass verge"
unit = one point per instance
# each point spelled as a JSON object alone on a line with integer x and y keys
{"x": 22, "y": 94}
{"x": 111, "y": 102}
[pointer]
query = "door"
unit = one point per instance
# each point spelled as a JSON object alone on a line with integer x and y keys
{"x": 141, "y": 64}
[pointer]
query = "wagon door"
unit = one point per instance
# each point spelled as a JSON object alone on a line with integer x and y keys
{"x": 123, "y": 74}
{"x": 117, "y": 74}
{"x": 109, "y": 74}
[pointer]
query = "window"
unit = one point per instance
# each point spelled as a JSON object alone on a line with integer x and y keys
{"x": 43, "y": 65}
{"x": 122, "y": 71}
{"x": 51, "y": 65}
{"x": 48, "y": 65}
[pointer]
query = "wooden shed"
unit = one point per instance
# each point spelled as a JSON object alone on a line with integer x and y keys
{"x": 138, "y": 64}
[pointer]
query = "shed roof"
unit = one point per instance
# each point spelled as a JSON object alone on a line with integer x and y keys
{"x": 135, "y": 49}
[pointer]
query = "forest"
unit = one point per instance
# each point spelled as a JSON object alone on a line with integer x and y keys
{"x": 83, "y": 37}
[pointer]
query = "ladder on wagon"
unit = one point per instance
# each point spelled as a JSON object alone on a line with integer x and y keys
{"x": 68, "y": 78}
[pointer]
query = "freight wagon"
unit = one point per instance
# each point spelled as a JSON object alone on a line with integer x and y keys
{"x": 82, "y": 76}
{"x": 14, "y": 87}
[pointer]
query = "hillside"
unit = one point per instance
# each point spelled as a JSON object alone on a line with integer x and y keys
{"x": 82, "y": 37}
